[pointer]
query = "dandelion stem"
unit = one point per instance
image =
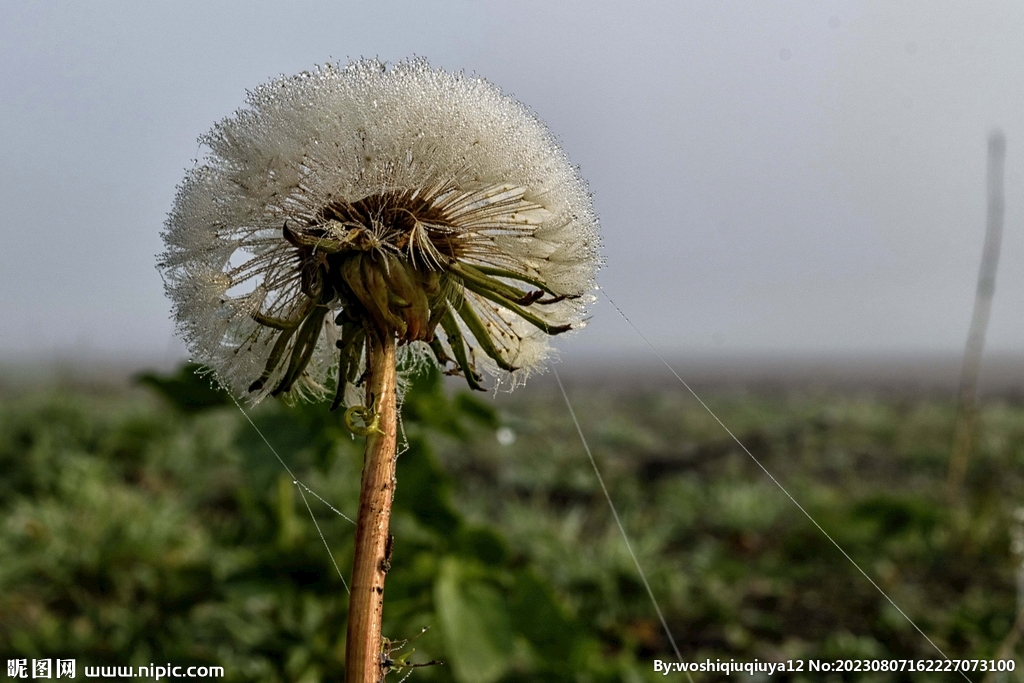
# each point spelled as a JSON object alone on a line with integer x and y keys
{"x": 363, "y": 662}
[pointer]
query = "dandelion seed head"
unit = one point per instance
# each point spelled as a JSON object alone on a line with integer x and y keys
{"x": 368, "y": 197}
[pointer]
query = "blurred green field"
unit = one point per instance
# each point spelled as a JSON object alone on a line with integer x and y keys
{"x": 150, "y": 523}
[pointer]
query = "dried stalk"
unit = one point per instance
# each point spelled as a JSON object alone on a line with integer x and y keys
{"x": 967, "y": 408}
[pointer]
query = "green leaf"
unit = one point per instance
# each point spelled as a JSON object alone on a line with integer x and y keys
{"x": 189, "y": 389}
{"x": 483, "y": 544}
{"x": 478, "y": 410}
{"x": 475, "y": 623}
{"x": 425, "y": 489}
{"x": 543, "y": 622}
{"x": 428, "y": 404}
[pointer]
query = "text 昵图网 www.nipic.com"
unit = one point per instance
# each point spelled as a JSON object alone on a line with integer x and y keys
{"x": 66, "y": 668}
{"x": 834, "y": 666}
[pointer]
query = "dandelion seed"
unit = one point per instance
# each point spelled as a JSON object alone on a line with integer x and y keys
{"x": 352, "y": 222}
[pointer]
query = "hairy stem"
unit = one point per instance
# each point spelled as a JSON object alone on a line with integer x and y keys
{"x": 363, "y": 661}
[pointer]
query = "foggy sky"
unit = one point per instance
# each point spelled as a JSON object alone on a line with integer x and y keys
{"x": 770, "y": 177}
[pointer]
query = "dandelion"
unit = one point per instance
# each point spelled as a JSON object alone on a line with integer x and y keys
{"x": 354, "y": 222}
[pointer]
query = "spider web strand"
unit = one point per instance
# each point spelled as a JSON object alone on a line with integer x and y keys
{"x": 778, "y": 483}
{"x": 618, "y": 521}
{"x": 300, "y": 486}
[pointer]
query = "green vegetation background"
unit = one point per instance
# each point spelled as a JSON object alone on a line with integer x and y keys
{"x": 152, "y": 524}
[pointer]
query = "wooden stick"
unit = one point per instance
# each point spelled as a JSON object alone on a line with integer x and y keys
{"x": 363, "y": 660}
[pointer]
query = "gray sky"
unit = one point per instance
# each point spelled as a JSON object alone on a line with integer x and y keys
{"x": 771, "y": 177}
